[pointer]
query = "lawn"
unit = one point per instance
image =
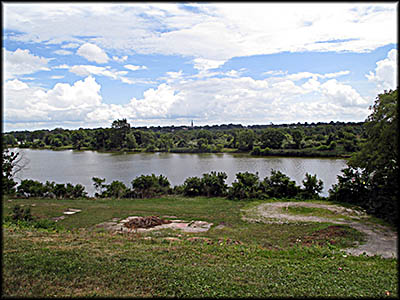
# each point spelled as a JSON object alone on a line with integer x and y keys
{"x": 240, "y": 259}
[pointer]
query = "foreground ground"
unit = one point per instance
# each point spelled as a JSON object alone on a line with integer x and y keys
{"x": 235, "y": 258}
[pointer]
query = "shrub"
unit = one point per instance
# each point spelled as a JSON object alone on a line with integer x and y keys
{"x": 31, "y": 188}
{"x": 192, "y": 186}
{"x": 279, "y": 185}
{"x": 213, "y": 184}
{"x": 116, "y": 189}
{"x": 351, "y": 187}
{"x": 246, "y": 186}
{"x": 312, "y": 187}
{"x": 20, "y": 214}
{"x": 99, "y": 186}
{"x": 146, "y": 186}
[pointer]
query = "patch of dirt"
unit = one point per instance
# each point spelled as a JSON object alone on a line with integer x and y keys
{"x": 150, "y": 223}
{"x": 381, "y": 240}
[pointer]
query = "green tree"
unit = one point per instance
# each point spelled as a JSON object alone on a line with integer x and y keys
{"x": 245, "y": 139}
{"x": 120, "y": 129}
{"x": 297, "y": 136}
{"x": 272, "y": 138}
{"x": 377, "y": 161}
{"x": 12, "y": 163}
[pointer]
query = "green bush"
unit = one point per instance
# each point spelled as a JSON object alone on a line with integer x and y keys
{"x": 246, "y": 186}
{"x": 279, "y": 185}
{"x": 312, "y": 187}
{"x": 116, "y": 189}
{"x": 31, "y": 188}
{"x": 192, "y": 186}
{"x": 213, "y": 184}
{"x": 147, "y": 186}
{"x": 352, "y": 187}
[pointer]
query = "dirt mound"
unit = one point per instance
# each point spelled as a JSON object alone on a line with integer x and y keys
{"x": 145, "y": 222}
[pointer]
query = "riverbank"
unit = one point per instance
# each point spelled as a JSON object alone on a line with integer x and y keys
{"x": 234, "y": 258}
{"x": 307, "y": 153}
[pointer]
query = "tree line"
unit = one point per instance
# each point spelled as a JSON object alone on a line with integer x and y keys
{"x": 315, "y": 139}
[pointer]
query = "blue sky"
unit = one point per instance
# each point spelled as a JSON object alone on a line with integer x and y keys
{"x": 75, "y": 65}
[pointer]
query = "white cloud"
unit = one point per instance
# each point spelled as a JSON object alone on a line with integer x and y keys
{"x": 70, "y": 45}
{"x": 57, "y": 77}
{"x": 203, "y": 64}
{"x": 208, "y": 100}
{"x": 240, "y": 100}
{"x": 120, "y": 59}
{"x": 63, "y": 52}
{"x": 22, "y": 62}
{"x": 342, "y": 94}
{"x": 218, "y": 32}
{"x": 385, "y": 74}
{"x": 62, "y": 103}
{"x": 63, "y": 66}
{"x": 92, "y": 53}
{"x": 135, "y": 68}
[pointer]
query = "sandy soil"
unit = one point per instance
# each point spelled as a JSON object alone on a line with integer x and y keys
{"x": 381, "y": 240}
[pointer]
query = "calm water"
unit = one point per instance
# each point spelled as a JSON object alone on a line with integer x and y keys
{"x": 80, "y": 166}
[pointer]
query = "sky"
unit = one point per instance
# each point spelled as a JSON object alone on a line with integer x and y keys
{"x": 84, "y": 65}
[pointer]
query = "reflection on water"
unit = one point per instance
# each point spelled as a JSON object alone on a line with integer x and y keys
{"x": 80, "y": 166}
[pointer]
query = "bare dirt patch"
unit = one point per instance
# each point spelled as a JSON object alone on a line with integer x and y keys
{"x": 150, "y": 223}
{"x": 381, "y": 240}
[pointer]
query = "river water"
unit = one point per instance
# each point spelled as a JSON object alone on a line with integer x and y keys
{"x": 80, "y": 166}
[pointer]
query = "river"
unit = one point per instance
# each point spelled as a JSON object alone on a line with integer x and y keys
{"x": 80, "y": 166}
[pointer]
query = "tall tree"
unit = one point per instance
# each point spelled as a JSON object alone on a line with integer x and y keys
{"x": 120, "y": 129}
{"x": 374, "y": 169}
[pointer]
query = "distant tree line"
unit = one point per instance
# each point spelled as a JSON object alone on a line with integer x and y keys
{"x": 315, "y": 139}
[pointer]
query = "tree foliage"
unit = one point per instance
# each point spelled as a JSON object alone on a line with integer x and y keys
{"x": 372, "y": 178}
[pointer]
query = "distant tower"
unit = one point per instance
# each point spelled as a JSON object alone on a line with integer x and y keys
{"x": 192, "y": 123}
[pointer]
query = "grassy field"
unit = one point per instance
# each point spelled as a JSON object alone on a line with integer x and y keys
{"x": 239, "y": 260}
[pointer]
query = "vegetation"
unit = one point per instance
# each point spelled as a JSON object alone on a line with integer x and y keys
{"x": 315, "y": 139}
{"x": 372, "y": 178}
{"x": 239, "y": 260}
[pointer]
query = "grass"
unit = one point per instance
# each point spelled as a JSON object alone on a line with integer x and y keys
{"x": 83, "y": 261}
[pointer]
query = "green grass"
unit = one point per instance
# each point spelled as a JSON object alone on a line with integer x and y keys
{"x": 83, "y": 261}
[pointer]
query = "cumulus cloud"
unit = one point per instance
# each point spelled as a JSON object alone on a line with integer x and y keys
{"x": 92, "y": 52}
{"x": 209, "y": 101}
{"x": 135, "y": 68}
{"x": 63, "y": 102}
{"x": 385, "y": 73}
{"x": 21, "y": 62}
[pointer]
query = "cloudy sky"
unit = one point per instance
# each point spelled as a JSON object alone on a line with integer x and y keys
{"x": 85, "y": 65}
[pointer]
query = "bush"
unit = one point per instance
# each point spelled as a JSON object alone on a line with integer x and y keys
{"x": 246, "y": 186}
{"x": 116, "y": 189}
{"x": 23, "y": 218}
{"x": 312, "y": 187}
{"x": 351, "y": 187}
{"x": 192, "y": 186}
{"x": 213, "y": 184}
{"x": 147, "y": 186}
{"x": 279, "y": 185}
{"x": 31, "y": 188}
{"x": 20, "y": 214}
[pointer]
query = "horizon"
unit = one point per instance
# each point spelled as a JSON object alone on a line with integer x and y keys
{"x": 83, "y": 65}
{"x": 201, "y": 126}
